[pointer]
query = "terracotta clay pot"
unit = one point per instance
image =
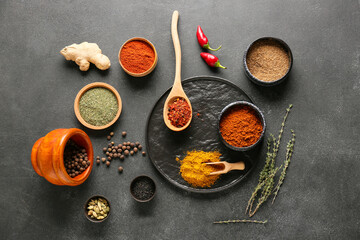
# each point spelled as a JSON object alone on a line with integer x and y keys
{"x": 47, "y": 156}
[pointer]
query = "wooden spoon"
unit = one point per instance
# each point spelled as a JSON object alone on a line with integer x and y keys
{"x": 227, "y": 167}
{"x": 177, "y": 90}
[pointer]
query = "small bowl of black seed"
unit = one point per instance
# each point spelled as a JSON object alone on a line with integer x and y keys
{"x": 97, "y": 209}
{"x": 143, "y": 188}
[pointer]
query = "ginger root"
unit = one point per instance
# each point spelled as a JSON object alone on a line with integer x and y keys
{"x": 85, "y": 53}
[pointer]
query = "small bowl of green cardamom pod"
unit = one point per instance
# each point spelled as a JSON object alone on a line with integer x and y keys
{"x": 97, "y": 209}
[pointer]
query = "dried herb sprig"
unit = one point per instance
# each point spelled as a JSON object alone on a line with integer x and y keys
{"x": 266, "y": 178}
{"x": 240, "y": 221}
{"x": 289, "y": 152}
{"x": 267, "y": 190}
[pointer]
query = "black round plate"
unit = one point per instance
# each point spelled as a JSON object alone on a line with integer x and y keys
{"x": 208, "y": 96}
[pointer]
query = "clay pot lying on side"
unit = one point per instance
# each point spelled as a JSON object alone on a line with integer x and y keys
{"x": 47, "y": 156}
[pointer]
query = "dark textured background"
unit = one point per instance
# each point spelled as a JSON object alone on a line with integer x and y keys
{"x": 320, "y": 196}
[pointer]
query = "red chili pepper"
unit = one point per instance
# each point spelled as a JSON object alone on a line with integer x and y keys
{"x": 203, "y": 41}
{"x": 211, "y": 60}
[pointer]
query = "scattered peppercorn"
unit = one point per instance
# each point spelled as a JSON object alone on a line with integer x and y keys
{"x": 143, "y": 153}
{"x": 139, "y": 147}
{"x": 126, "y": 152}
{"x": 121, "y": 169}
{"x": 131, "y": 152}
{"x": 111, "y": 134}
{"x": 103, "y": 159}
{"x": 107, "y": 163}
{"x": 108, "y": 137}
{"x": 104, "y": 149}
{"x": 97, "y": 161}
{"x": 123, "y": 134}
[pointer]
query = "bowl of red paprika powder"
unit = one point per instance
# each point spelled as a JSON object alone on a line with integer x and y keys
{"x": 138, "y": 57}
{"x": 241, "y": 126}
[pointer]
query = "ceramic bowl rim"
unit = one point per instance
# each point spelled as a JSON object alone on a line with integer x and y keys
{"x": 86, "y": 210}
{"x": 270, "y": 83}
{"x": 260, "y": 115}
{"x": 134, "y": 180}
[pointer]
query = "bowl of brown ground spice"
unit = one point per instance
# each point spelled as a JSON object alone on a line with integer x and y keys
{"x": 268, "y": 61}
{"x": 241, "y": 126}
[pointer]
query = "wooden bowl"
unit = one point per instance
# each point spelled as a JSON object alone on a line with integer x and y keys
{"x": 86, "y": 88}
{"x": 147, "y": 71}
{"x": 47, "y": 156}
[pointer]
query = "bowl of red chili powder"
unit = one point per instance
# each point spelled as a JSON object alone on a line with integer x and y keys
{"x": 138, "y": 57}
{"x": 241, "y": 126}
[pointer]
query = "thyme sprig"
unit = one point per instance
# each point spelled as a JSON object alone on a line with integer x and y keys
{"x": 266, "y": 178}
{"x": 240, "y": 221}
{"x": 289, "y": 152}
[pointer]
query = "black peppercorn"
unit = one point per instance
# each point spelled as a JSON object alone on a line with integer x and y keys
{"x": 98, "y": 161}
{"x": 108, "y": 137}
{"x": 121, "y": 169}
{"x": 123, "y": 134}
{"x": 107, "y": 163}
{"x": 126, "y": 152}
{"x": 111, "y": 134}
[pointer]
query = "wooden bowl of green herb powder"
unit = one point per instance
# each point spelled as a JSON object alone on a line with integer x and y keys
{"x": 97, "y": 106}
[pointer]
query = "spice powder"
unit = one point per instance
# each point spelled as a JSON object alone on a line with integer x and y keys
{"x": 98, "y": 106}
{"x": 195, "y": 171}
{"x": 240, "y": 126}
{"x": 137, "y": 56}
{"x": 267, "y": 60}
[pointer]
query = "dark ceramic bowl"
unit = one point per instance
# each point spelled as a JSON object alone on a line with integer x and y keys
{"x": 140, "y": 178}
{"x": 266, "y": 83}
{"x": 86, "y": 210}
{"x": 259, "y": 114}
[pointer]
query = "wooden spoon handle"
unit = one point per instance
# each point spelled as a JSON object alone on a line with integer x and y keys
{"x": 237, "y": 166}
{"x": 176, "y": 41}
